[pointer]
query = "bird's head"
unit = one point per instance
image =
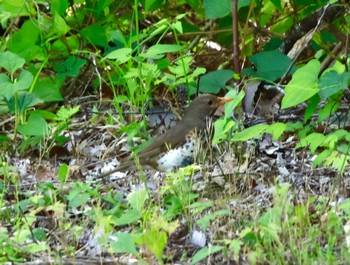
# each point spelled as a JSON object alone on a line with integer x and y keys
{"x": 204, "y": 106}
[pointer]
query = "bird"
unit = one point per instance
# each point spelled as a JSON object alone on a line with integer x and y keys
{"x": 176, "y": 147}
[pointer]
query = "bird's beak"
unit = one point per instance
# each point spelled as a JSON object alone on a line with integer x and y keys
{"x": 223, "y": 100}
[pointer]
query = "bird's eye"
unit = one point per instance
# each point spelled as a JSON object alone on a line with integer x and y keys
{"x": 210, "y": 102}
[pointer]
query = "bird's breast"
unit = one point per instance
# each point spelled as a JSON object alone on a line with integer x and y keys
{"x": 180, "y": 156}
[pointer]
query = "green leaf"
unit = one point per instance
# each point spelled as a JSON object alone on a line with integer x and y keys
{"x": 26, "y": 42}
{"x": 330, "y": 108}
{"x": 35, "y": 248}
{"x": 59, "y": 7}
{"x": 243, "y": 3}
{"x": 205, "y": 252}
{"x": 152, "y": 5}
{"x": 59, "y": 25}
{"x": 200, "y": 206}
{"x": 71, "y": 67}
{"x": 212, "y": 82}
{"x": 237, "y": 99}
{"x": 277, "y": 3}
{"x": 276, "y": 129}
{"x": 207, "y": 219}
{"x": 235, "y": 247}
{"x": 157, "y": 51}
{"x": 155, "y": 241}
{"x": 95, "y": 34}
{"x": 9, "y": 88}
{"x": 271, "y": 217}
{"x": 63, "y": 114}
{"x": 314, "y": 140}
{"x": 121, "y": 55}
{"x": 217, "y": 9}
{"x": 303, "y": 85}
{"x": 222, "y": 127}
{"x": 124, "y": 243}
{"x": 269, "y": 65}
{"x": 311, "y": 107}
{"x": 178, "y": 26}
{"x": 137, "y": 199}
{"x": 249, "y": 133}
{"x": 332, "y": 82}
{"x": 63, "y": 173}
{"x": 22, "y": 102}
{"x": 35, "y": 126}
{"x": 129, "y": 217}
{"x": 39, "y": 234}
{"x": 48, "y": 89}
{"x": 78, "y": 197}
{"x": 173, "y": 206}
{"x": 11, "y": 61}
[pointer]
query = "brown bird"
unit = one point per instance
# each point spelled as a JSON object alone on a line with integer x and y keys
{"x": 176, "y": 147}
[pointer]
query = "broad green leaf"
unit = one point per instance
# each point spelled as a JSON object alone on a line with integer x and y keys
{"x": 35, "y": 126}
{"x": 205, "y": 252}
{"x": 217, "y": 9}
{"x": 11, "y": 61}
{"x": 270, "y": 65}
{"x": 137, "y": 199}
{"x": 35, "y": 247}
{"x": 6, "y": 87}
{"x": 78, "y": 197}
{"x": 303, "y": 85}
{"x": 39, "y": 234}
{"x": 212, "y": 82}
{"x": 276, "y": 129}
{"x": 123, "y": 243}
{"x": 122, "y": 55}
{"x": 152, "y": 5}
{"x": 22, "y": 102}
{"x": 128, "y": 217}
{"x": 59, "y": 7}
{"x": 95, "y": 34}
{"x": 158, "y": 50}
{"x": 249, "y": 133}
{"x": 59, "y": 25}
{"x": 314, "y": 140}
{"x": 243, "y": 3}
{"x": 48, "y": 89}
{"x": 344, "y": 148}
{"x": 71, "y": 67}
{"x": 332, "y": 82}
{"x": 330, "y": 108}
{"x": 178, "y": 26}
{"x": 283, "y": 25}
{"x": 26, "y": 42}
{"x": 222, "y": 127}
{"x": 277, "y": 3}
